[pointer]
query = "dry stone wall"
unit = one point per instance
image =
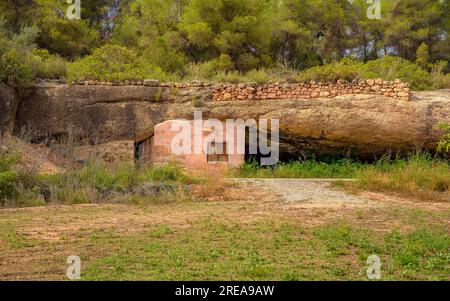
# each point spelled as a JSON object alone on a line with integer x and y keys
{"x": 395, "y": 89}
{"x": 252, "y": 91}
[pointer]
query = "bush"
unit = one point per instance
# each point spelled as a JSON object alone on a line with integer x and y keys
{"x": 47, "y": 66}
{"x": 21, "y": 63}
{"x": 260, "y": 76}
{"x": 438, "y": 79}
{"x": 7, "y": 161}
{"x": 444, "y": 143}
{"x": 8, "y": 177}
{"x": 390, "y": 68}
{"x": 8, "y": 185}
{"x": 14, "y": 71}
{"x": 347, "y": 69}
{"x": 112, "y": 62}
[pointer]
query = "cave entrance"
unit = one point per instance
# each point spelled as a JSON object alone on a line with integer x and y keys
{"x": 258, "y": 156}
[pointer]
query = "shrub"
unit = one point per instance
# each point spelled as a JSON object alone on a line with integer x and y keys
{"x": 444, "y": 144}
{"x": 14, "y": 71}
{"x": 8, "y": 185}
{"x": 229, "y": 77}
{"x": 347, "y": 69}
{"x": 7, "y": 161}
{"x": 112, "y": 62}
{"x": 438, "y": 79}
{"x": 46, "y": 65}
{"x": 260, "y": 76}
{"x": 423, "y": 55}
{"x": 390, "y": 68}
{"x": 225, "y": 63}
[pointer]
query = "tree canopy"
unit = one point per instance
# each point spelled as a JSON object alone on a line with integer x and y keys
{"x": 210, "y": 36}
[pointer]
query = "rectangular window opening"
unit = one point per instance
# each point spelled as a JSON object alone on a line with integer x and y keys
{"x": 212, "y": 156}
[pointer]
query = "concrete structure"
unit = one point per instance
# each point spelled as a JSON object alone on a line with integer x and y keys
{"x": 157, "y": 146}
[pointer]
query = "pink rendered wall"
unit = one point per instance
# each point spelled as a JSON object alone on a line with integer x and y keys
{"x": 162, "y": 153}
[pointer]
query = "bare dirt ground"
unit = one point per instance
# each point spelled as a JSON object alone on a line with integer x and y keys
{"x": 36, "y": 241}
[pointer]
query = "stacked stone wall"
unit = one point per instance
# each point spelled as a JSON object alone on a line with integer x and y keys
{"x": 252, "y": 91}
{"x": 395, "y": 89}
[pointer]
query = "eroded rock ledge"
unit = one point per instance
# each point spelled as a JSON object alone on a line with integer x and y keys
{"x": 364, "y": 125}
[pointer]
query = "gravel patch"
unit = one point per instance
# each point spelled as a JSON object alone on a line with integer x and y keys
{"x": 316, "y": 192}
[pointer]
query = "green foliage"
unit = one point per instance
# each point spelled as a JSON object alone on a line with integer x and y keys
{"x": 14, "y": 55}
{"x": 227, "y": 29}
{"x": 438, "y": 78}
{"x": 46, "y": 65}
{"x": 347, "y": 69}
{"x": 69, "y": 38}
{"x": 232, "y": 40}
{"x": 112, "y": 62}
{"x": 302, "y": 169}
{"x": 418, "y": 176}
{"x": 388, "y": 68}
{"x": 92, "y": 183}
{"x": 7, "y": 161}
{"x": 423, "y": 56}
{"x": 8, "y": 177}
{"x": 21, "y": 62}
{"x": 418, "y": 250}
{"x": 444, "y": 143}
{"x": 7, "y": 184}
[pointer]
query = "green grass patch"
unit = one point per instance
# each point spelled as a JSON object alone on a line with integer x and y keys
{"x": 417, "y": 176}
{"x": 10, "y": 238}
{"x": 282, "y": 250}
{"x": 302, "y": 169}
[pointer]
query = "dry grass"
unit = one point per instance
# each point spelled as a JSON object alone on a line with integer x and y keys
{"x": 418, "y": 177}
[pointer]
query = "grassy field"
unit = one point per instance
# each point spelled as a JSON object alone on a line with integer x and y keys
{"x": 192, "y": 228}
{"x": 253, "y": 238}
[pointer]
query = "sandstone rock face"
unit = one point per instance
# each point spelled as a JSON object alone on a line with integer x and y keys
{"x": 102, "y": 113}
{"x": 8, "y": 107}
{"x": 364, "y": 125}
{"x": 367, "y": 126}
{"x": 109, "y": 153}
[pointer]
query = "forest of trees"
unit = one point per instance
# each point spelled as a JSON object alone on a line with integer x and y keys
{"x": 173, "y": 39}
